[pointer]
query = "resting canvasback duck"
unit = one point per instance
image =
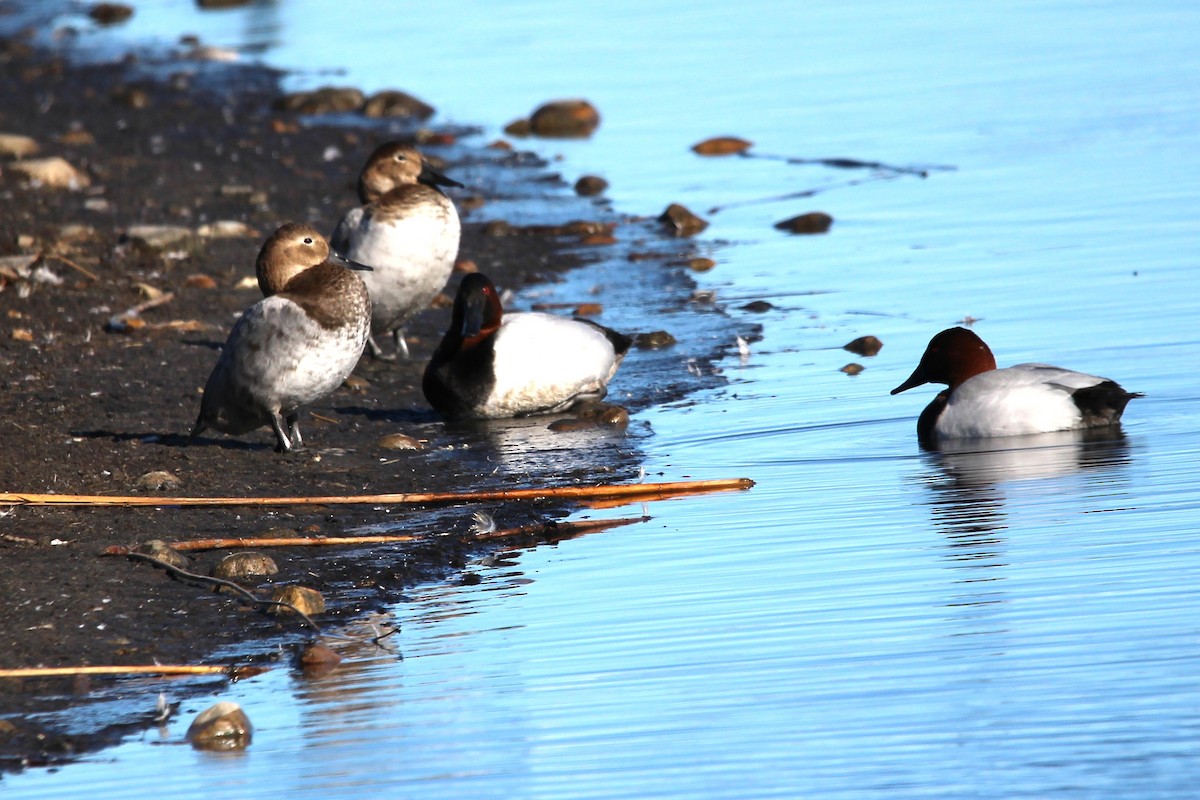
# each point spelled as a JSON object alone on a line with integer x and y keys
{"x": 983, "y": 401}
{"x": 491, "y": 364}
{"x": 407, "y": 230}
{"x": 294, "y": 346}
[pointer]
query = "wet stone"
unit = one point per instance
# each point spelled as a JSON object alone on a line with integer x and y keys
{"x": 757, "y": 306}
{"x": 853, "y": 369}
{"x": 569, "y": 119}
{"x": 223, "y": 726}
{"x": 812, "y": 222}
{"x": 721, "y": 146}
{"x": 392, "y": 103}
{"x": 653, "y": 340}
{"x": 157, "y": 548}
{"x": 400, "y": 441}
{"x": 680, "y": 221}
{"x": 53, "y": 172}
{"x": 110, "y": 13}
{"x": 326, "y": 100}
{"x": 700, "y": 264}
{"x": 15, "y": 145}
{"x": 317, "y": 660}
{"x": 572, "y": 424}
{"x": 309, "y": 601}
{"x": 864, "y": 346}
{"x": 250, "y": 564}
{"x": 590, "y": 186}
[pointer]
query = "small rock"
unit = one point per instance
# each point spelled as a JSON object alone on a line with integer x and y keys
{"x": 679, "y": 221}
{"x": 597, "y": 239}
{"x": 653, "y": 340}
{"x": 223, "y": 726}
{"x": 588, "y": 310}
{"x": 77, "y": 137}
{"x": 21, "y": 335}
{"x": 14, "y": 145}
{"x": 158, "y": 237}
{"x": 590, "y": 186}
{"x": 222, "y": 3}
{"x": 199, "y": 281}
{"x": 757, "y": 306}
{"x": 248, "y": 564}
{"x": 157, "y": 548}
{"x": 396, "y": 104}
{"x": 465, "y": 265}
{"x": 110, "y": 13}
{"x": 318, "y": 660}
{"x": 852, "y": 368}
{"x": 400, "y": 441}
{"x": 133, "y": 97}
{"x": 53, "y": 172}
{"x": 721, "y": 146}
{"x": 864, "y": 346}
{"x": 572, "y": 424}
{"x": 326, "y": 100}
{"x": 812, "y": 222}
{"x": 570, "y": 119}
{"x": 615, "y": 417}
{"x": 157, "y": 481}
{"x": 700, "y": 264}
{"x": 356, "y": 383}
{"x": 226, "y": 228}
{"x": 309, "y": 601}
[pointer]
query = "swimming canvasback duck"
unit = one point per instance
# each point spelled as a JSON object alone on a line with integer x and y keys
{"x": 407, "y": 230}
{"x": 294, "y": 346}
{"x": 983, "y": 401}
{"x": 491, "y": 364}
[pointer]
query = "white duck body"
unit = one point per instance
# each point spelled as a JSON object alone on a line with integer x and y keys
{"x": 1017, "y": 400}
{"x": 544, "y": 363}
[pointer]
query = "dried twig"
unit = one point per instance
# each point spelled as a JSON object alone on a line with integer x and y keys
{"x": 630, "y": 491}
{"x": 73, "y": 265}
{"x": 134, "y": 669}
{"x": 286, "y": 541}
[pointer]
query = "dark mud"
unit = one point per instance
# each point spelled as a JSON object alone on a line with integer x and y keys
{"x": 86, "y": 410}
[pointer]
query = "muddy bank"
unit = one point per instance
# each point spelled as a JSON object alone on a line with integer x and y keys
{"x": 90, "y": 407}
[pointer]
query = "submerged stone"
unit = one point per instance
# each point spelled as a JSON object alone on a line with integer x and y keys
{"x": 812, "y": 222}
{"x": 223, "y": 726}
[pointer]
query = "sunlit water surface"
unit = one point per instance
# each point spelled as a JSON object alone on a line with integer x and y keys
{"x": 869, "y": 621}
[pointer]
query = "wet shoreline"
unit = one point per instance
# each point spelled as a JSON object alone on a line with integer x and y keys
{"x": 94, "y": 410}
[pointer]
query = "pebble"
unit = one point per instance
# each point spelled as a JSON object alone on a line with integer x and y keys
{"x": 309, "y": 601}
{"x": 318, "y": 660}
{"x": 565, "y": 119}
{"x": 653, "y": 340}
{"x": 356, "y": 384}
{"x": 721, "y": 146}
{"x": 400, "y": 441}
{"x": 223, "y": 726}
{"x": 15, "y": 145}
{"x": 157, "y": 481}
{"x": 199, "y": 281}
{"x": 757, "y": 306}
{"x": 326, "y": 100}
{"x": 158, "y": 237}
{"x": 680, "y": 221}
{"x": 110, "y": 13}
{"x": 248, "y": 564}
{"x": 391, "y": 103}
{"x": 853, "y": 369}
{"x": 226, "y": 228}
{"x": 465, "y": 265}
{"x": 53, "y": 172}
{"x": 590, "y": 186}
{"x": 864, "y": 346}
{"x": 812, "y": 222}
{"x": 700, "y": 264}
{"x": 157, "y": 548}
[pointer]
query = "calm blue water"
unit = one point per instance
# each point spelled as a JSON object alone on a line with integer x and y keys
{"x": 870, "y": 621}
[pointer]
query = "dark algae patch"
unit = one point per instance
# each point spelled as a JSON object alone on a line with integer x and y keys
{"x": 115, "y": 298}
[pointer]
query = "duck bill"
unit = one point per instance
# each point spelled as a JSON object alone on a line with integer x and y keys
{"x": 431, "y": 177}
{"x": 914, "y": 380}
{"x": 342, "y": 261}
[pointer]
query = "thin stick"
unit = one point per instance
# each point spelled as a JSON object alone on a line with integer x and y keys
{"x": 73, "y": 265}
{"x": 136, "y": 669}
{"x": 632, "y": 491}
{"x": 292, "y": 541}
